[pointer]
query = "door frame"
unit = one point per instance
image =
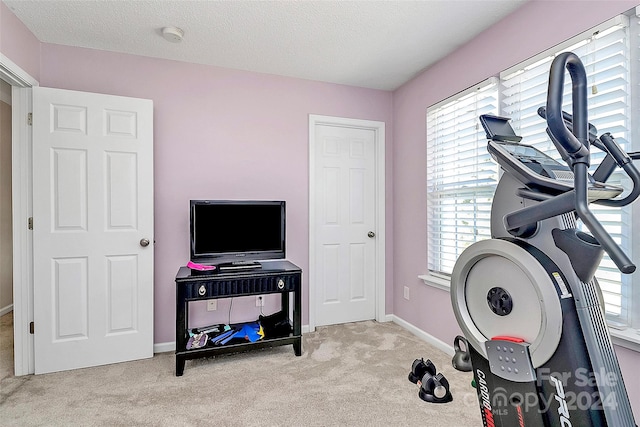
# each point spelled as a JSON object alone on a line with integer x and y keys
{"x": 379, "y": 139}
{"x": 21, "y": 197}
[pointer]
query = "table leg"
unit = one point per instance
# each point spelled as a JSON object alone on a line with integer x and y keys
{"x": 179, "y": 366}
{"x": 297, "y": 320}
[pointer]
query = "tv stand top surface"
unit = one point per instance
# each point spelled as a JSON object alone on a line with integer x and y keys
{"x": 267, "y": 267}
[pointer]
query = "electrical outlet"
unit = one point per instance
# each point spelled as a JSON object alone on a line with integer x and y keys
{"x": 406, "y": 292}
{"x": 212, "y": 305}
{"x": 259, "y": 301}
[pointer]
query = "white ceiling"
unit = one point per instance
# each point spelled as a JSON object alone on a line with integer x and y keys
{"x": 373, "y": 44}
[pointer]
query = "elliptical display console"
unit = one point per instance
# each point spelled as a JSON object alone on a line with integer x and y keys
{"x": 527, "y": 300}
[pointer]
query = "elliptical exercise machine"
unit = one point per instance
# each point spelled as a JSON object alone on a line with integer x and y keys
{"x": 527, "y": 300}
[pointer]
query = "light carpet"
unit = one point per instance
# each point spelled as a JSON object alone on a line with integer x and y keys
{"x": 348, "y": 375}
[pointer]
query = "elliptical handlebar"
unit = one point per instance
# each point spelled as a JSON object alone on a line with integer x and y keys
{"x": 576, "y": 144}
{"x": 623, "y": 161}
{"x": 568, "y": 121}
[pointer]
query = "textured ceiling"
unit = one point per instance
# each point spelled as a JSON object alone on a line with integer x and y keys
{"x": 374, "y": 44}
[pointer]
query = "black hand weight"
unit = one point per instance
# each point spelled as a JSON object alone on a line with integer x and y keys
{"x": 434, "y": 388}
{"x": 419, "y": 368}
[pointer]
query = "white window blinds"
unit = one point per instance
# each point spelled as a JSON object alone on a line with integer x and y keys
{"x": 461, "y": 177}
{"x": 605, "y": 57}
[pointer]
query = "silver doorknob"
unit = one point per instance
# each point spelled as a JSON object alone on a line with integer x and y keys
{"x": 144, "y": 242}
{"x": 371, "y": 234}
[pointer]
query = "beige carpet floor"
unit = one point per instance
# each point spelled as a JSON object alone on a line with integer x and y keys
{"x": 348, "y": 375}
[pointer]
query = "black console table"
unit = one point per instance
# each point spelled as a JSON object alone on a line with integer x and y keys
{"x": 281, "y": 277}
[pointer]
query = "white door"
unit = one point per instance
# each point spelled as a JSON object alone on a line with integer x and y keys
{"x": 345, "y": 224}
{"x": 92, "y": 210}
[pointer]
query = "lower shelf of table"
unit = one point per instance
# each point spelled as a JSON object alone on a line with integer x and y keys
{"x": 184, "y": 355}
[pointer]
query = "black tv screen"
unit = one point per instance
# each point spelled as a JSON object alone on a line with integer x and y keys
{"x": 224, "y": 231}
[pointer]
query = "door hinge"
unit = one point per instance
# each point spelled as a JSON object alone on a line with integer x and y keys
{"x": 30, "y": 119}
{"x": 31, "y": 328}
{"x": 30, "y": 223}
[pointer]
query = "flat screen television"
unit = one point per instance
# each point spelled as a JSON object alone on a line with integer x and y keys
{"x": 227, "y": 231}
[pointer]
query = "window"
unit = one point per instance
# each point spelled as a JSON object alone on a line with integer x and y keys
{"x": 461, "y": 176}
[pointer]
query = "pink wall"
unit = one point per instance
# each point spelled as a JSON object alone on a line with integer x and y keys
{"x": 218, "y": 134}
{"x": 18, "y": 43}
{"x": 536, "y": 26}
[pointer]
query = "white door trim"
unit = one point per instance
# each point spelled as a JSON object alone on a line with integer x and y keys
{"x": 379, "y": 130}
{"x": 21, "y": 196}
{"x": 11, "y": 73}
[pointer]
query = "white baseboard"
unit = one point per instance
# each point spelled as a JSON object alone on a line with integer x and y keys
{"x": 439, "y": 344}
{"x": 5, "y": 310}
{"x": 164, "y": 347}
